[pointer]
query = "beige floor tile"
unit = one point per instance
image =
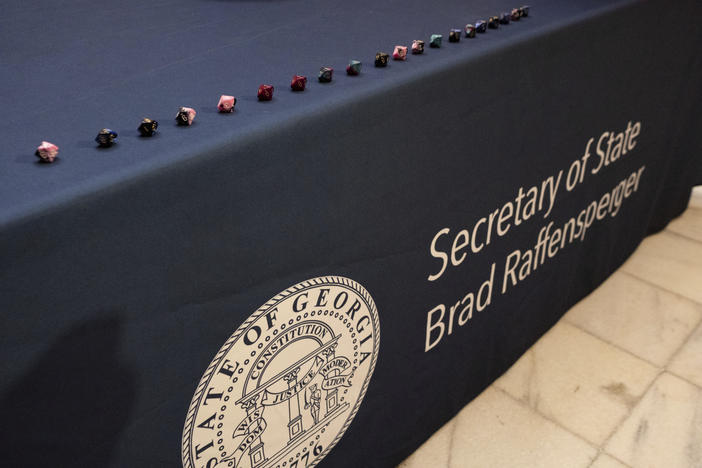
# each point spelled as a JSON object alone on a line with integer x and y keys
{"x": 665, "y": 428}
{"x": 689, "y": 224}
{"x": 671, "y": 261}
{"x": 434, "y": 452}
{"x": 688, "y": 362}
{"x": 646, "y": 321}
{"x": 696, "y": 197}
{"x": 606, "y": 461}
{"x": 583, "y": 383}
{"x": 497, "y": 431}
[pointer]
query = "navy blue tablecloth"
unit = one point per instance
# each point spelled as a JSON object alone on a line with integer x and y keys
{"x": 123, "y": 270}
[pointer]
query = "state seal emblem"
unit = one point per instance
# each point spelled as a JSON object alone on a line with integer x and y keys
{"x": 287, "y": 384}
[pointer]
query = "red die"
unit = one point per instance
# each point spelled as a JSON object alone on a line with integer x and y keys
{"x": 265, "y": 92}
{"x": 298, "y": 83}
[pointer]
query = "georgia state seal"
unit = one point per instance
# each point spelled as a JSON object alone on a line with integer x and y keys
{"x": 286, "y": 385}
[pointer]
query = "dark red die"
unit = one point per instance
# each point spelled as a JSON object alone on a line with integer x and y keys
{"x": 265, "y": 92}
{"x": 298, "y": 83}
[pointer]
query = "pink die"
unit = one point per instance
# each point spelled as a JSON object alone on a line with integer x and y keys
{"x": 226, "y": 103}
{"x": 400, "y": 53}
{"x": 47, "y": 152}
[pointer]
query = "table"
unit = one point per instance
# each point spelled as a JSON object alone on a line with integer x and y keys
{"x": 464, "y": 198}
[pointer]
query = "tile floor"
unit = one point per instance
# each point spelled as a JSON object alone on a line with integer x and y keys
{"x": 616, "y": 383}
